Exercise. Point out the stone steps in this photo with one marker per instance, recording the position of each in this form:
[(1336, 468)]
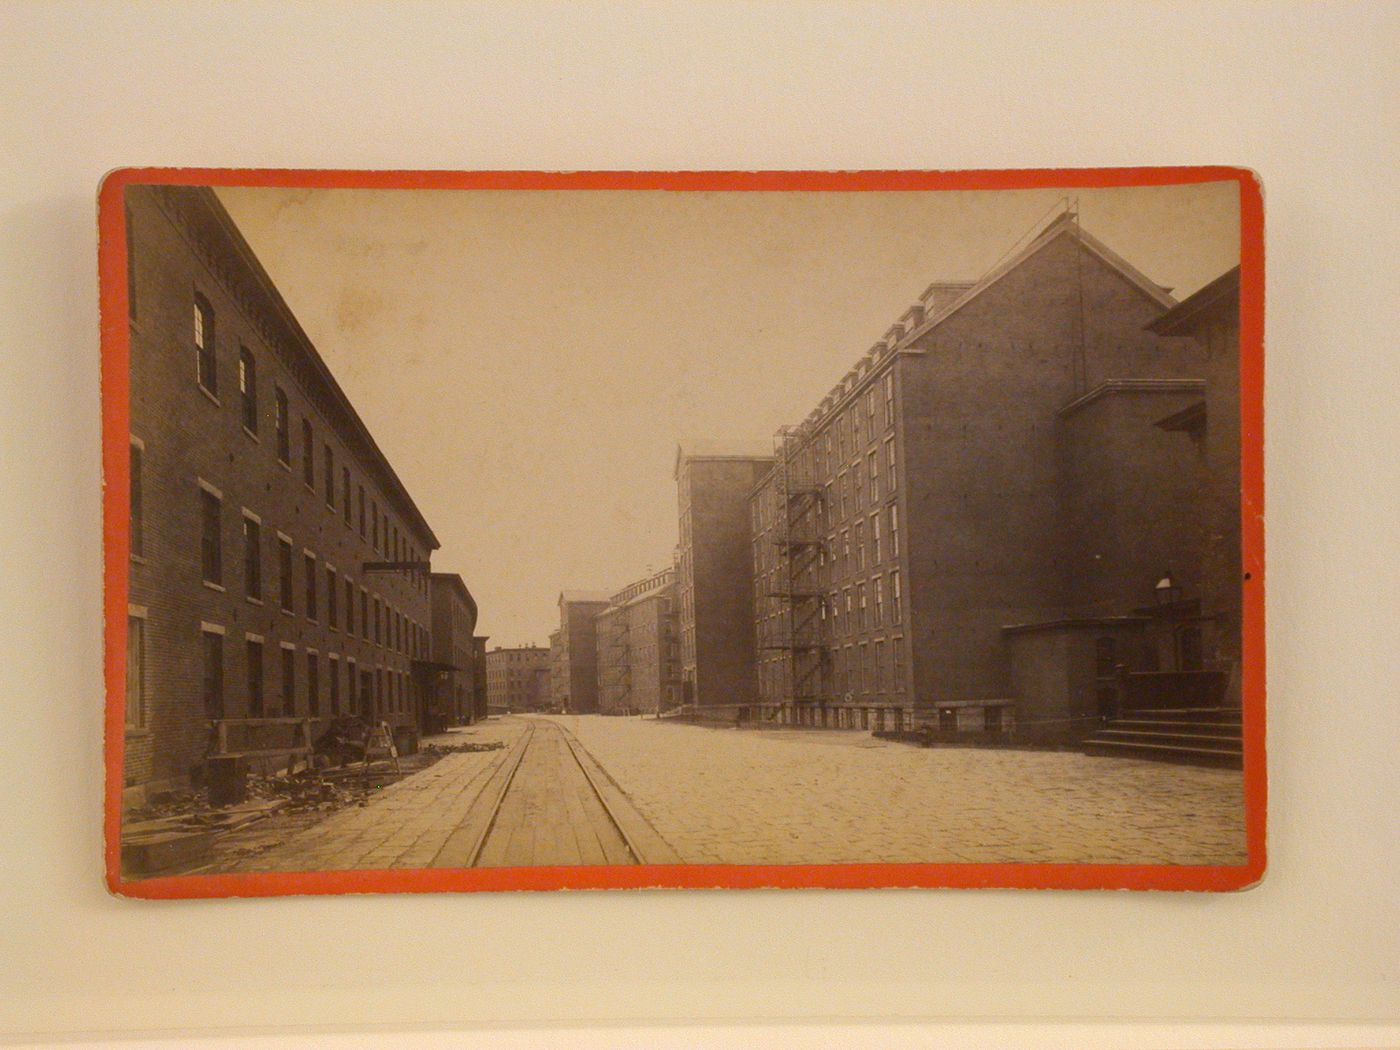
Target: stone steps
[(1192, 736)]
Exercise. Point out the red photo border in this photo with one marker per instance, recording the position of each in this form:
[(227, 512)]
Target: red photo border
[(116, 511)]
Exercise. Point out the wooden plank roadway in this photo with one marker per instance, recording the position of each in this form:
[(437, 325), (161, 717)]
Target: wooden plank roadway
[(543, 800), (551, 815)]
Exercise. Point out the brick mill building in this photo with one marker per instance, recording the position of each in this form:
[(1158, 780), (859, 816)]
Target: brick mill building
[(517, 679), (1211, 317), (965, 530), (447, 677), (574, 652), (262, 511), (638, 648), (714, 571)]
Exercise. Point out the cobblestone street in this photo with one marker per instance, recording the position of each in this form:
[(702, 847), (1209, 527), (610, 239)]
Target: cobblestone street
[(818, 796), (776, 796)]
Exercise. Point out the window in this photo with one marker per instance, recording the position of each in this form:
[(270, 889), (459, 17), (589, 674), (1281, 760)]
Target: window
[(205, 363), (890, 476), (309, 563), (364, 614), (374, 524), (889, 399), (313, 684), (333, 678), (864, 667), (284, 426), (252, 558), (378, 622), (135, 671), (854, 413), (248, 389), (860, 594), (874, 539), (289, 680), (845, 503), (897, 661), (850, 610), (255, 677), (845, 552), (860, 546), (138, 509), (872, 466), (858, 483), (349, 606), (362, 511), (345, 491), (212, 673), (308, 453), (211, 552), (870, 409), (879, 585), (329, 461), (332, 600), (894, 530), (284, 573), (894, 597), (879, 667)]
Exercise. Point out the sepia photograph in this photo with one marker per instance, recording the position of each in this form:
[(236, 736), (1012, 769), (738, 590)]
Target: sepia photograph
[(525, 530)]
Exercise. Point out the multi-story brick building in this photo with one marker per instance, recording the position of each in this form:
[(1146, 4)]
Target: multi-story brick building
[(574, 653), (714, 572), (278, 565), (638, 649), (514, 681), (1211, 316), (987, 472), (447, 678)]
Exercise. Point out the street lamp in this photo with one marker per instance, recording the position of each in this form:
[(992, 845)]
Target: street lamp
[(1167, 591)]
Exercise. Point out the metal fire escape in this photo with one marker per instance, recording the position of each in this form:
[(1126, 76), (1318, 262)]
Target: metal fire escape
[(798, 628), (621, 659)]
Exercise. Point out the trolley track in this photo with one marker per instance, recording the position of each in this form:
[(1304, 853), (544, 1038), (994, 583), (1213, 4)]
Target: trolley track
[(550, 803)]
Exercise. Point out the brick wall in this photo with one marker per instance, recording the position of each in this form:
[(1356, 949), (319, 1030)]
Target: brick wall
[(188, 435), (978, 433)]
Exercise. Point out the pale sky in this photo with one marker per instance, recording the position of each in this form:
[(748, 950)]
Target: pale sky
[(527, 360)]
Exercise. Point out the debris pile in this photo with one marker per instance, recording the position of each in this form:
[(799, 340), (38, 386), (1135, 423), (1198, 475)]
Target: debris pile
[(436, 751)]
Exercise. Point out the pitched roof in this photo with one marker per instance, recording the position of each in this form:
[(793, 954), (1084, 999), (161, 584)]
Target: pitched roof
[(1064, 225), (1180, 318)]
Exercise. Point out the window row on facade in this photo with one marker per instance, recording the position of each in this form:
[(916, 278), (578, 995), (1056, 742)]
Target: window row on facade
[(341, 492), (302, 573), (302, 688)]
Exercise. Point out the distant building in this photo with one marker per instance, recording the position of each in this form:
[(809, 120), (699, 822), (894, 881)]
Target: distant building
[(558, 672), (277, 561), (480, 703), (447, 677), (966, 528), (574, 652), (714, 571), (517, 679), (638, 649)]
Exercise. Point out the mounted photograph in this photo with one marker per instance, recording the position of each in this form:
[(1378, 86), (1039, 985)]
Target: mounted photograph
[(523, 530)]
